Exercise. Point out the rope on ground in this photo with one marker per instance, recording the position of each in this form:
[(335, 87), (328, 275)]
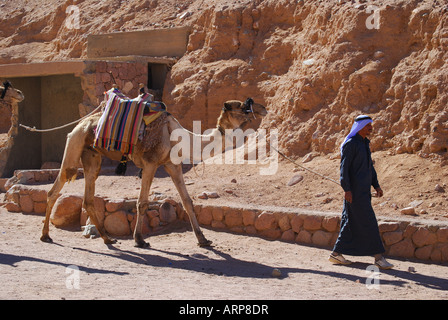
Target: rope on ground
[(33, 129)]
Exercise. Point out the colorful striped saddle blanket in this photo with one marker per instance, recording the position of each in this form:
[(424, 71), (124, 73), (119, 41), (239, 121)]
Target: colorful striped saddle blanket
[(119, 126)]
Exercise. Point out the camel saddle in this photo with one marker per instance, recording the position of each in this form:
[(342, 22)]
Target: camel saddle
[(122, 118)]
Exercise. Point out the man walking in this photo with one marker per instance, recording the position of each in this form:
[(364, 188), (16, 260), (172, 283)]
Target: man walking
[(359, 234)]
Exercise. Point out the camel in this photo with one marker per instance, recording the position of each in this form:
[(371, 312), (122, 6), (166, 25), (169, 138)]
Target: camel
[(79, 146), (11, 97)]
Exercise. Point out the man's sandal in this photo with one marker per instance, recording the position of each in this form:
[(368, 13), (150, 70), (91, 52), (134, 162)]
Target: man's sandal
[(338, 259)]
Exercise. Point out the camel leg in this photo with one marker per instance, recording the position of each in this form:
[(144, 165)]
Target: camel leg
[(91, 162), (52, 196), (69, 170), (148, 173), (175, 171)]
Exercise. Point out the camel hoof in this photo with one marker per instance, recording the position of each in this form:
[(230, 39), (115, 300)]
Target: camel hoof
[(142, 244), (46, 238), (206, 243), (109, 241)]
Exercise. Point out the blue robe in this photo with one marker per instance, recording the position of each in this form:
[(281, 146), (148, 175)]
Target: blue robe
[(359, 234)]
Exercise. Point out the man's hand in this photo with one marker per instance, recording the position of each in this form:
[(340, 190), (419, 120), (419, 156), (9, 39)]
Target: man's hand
[(379, 192), (348, 196)]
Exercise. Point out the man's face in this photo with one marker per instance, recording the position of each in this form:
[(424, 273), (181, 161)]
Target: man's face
[(366, 131)]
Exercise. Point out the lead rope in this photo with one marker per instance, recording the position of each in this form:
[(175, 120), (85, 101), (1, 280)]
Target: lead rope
[(314, 172), (33, 129)]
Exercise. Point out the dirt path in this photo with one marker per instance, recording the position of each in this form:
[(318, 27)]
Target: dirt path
[(237, 267)]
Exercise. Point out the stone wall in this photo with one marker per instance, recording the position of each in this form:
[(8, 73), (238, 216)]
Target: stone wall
[(419, 239), (99, 76), (424, 240)]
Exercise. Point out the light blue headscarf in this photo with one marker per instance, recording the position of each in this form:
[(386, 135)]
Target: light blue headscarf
[(360, 122)]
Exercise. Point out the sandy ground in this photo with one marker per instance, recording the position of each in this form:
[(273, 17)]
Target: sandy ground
[(237, 267)]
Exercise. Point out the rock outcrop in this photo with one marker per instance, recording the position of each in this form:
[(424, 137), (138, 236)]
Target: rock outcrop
[(314, 64)]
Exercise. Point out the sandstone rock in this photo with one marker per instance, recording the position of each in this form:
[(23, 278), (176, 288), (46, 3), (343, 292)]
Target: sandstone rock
[(392, 237), (330, 223), (271, 234), (442, 234), (218, 224), (410, 211), (211, 194), (424, 253), (12, 207), (312, 223), (38, 195), (265, 221), (249, 217), (423, 237), (206, 216), (114, 205), (404, 249), (288, 236), (295, 180), (66, 210), (387, 226), (218, 214), (167, 213), (208, 194), (154, 222), (117, 224), (40, 207), (283, 222), (296, 223), (321, 238), (304, 236), (26, 203), (415, 203), (233, 219)]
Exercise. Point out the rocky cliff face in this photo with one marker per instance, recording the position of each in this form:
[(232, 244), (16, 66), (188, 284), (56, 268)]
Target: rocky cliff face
[(317, 65), (314, 64)]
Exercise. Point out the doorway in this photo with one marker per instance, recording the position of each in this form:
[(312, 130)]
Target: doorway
[(50, 101), (156, 79)]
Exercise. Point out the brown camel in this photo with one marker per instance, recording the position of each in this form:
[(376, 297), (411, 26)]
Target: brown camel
[(234, 115), (10, 97)]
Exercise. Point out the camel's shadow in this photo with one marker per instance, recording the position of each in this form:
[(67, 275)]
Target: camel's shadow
[(223, 265)]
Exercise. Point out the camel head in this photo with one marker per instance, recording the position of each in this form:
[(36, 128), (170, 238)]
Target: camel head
[(9, 94), (236, 114)]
